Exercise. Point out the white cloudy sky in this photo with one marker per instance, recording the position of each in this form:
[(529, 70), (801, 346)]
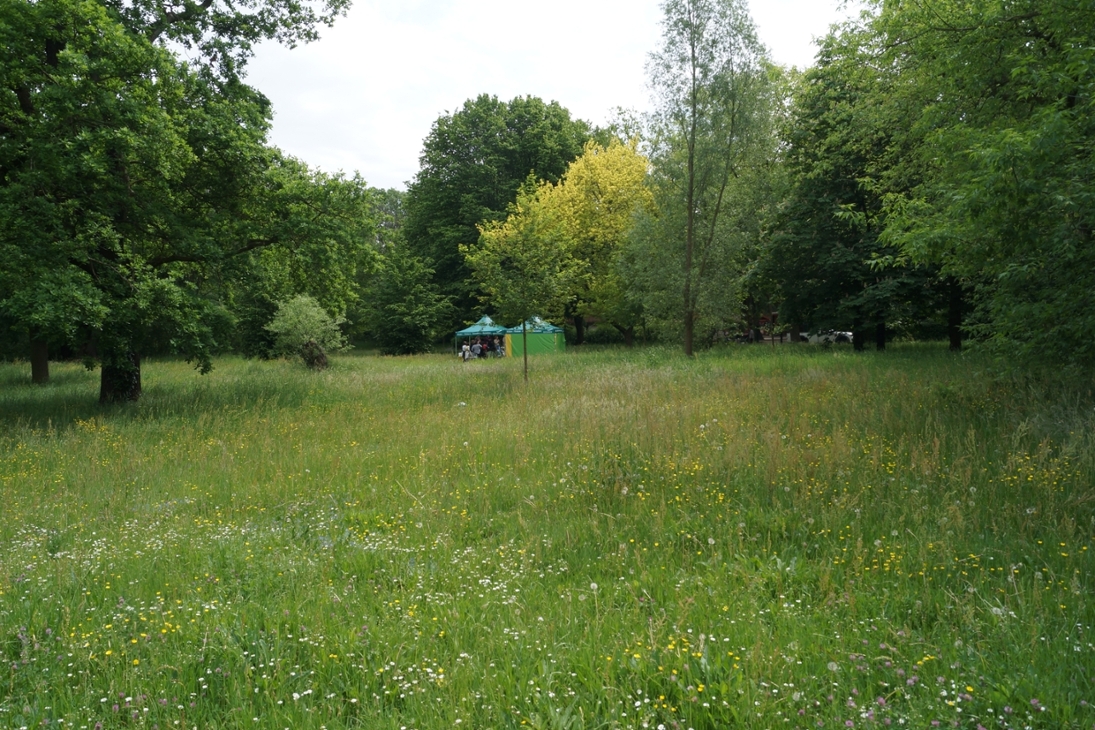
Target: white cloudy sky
[(364, 96)]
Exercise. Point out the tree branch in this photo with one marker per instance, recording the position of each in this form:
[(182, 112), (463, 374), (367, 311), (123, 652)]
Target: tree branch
[(199, 259), (191, 11)]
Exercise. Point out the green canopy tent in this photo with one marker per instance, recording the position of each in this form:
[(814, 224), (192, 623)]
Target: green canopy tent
[(543, 337), (485, 327)]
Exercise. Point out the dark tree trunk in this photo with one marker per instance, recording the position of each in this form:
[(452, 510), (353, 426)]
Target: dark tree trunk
[(859, 337), (579, 329), (795, 332), (880, 335), (752, 319), (628, 333), (39, 361), (689, 326), (954, 315), (121, 380)]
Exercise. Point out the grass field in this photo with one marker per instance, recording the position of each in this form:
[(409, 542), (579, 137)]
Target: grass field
[(756, 538)]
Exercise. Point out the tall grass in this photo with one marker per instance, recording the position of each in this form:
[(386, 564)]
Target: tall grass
[(756, 538)]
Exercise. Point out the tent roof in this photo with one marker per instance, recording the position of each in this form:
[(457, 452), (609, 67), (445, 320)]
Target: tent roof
[(485, 326), (535, 325)]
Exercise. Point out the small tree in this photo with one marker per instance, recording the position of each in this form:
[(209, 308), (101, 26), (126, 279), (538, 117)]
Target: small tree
[(522, 263), (712, 91), (302, 327)]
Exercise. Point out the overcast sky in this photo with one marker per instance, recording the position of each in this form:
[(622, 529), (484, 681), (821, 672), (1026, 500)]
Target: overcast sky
[(363, 97)]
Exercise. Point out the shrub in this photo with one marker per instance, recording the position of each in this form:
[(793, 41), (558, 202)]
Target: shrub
[(303, 328)]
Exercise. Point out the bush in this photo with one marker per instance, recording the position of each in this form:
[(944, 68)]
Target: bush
[(303, 328), (604, 334)]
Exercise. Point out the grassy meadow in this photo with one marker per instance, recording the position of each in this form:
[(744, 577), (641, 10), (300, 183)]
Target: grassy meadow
[(757, 538)]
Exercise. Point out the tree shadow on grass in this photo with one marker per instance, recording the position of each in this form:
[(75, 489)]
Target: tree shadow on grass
[(69, 396), (72, 395)]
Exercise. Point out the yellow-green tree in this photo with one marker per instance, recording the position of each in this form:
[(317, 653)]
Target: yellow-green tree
[(594, 206), (558, 248), (522, 263)]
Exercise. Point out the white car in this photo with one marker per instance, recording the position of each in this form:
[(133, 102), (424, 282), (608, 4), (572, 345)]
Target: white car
[(827, 337)]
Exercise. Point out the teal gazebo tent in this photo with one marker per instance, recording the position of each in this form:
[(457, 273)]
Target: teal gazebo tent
[(485, 327), (543, 337)]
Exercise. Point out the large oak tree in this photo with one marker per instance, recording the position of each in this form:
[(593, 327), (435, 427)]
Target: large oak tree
[(130, 180)]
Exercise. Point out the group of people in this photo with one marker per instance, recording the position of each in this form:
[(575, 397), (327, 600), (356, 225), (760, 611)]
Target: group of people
[(482, 347)]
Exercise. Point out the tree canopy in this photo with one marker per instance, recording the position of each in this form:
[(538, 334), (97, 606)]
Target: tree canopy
[(997, 185), (824, 248), (934, 165), (596, 203), (134, 185), (473, 162)]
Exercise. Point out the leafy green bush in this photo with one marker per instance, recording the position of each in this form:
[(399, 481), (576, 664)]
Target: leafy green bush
[(303, 328)]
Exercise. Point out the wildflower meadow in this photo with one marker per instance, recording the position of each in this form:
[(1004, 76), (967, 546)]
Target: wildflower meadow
[(759, 537)]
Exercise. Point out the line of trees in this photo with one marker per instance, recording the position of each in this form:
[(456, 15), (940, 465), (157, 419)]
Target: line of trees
[(142, 208), (930, 174)]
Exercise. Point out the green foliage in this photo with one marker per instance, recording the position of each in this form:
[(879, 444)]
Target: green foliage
[(522, 263), (822, 254), (702, 531), (389, 209), (473, 162), (67, 197), (999, 103), (138, 191), (325, 227), (300, 325), (713, 131), (405, 312), (219, 35), (595, 205)]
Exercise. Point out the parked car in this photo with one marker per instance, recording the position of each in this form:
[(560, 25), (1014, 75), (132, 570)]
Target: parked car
[(827, 337)]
